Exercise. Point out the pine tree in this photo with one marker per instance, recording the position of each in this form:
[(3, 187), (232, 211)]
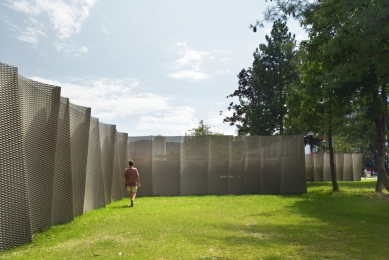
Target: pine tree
[(263, 87)]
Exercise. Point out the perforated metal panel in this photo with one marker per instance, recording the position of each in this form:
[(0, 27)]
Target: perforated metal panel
[(270, 156), (218, 165), (293, 176), (122, 138), (326, 167), (166, 165), (117, 175), (14, 211), (252, 177), (62, 209), (139, 150), (237, 164), (357, 166), (194, 165), (347, 167), (107, 142), (79, 137), (339, 166), (318, 160), (40, 120), (94, 184), (309, 167)]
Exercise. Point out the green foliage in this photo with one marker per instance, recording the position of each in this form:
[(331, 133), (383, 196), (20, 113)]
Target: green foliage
[(202, 129), (348, 48), (263, 87), (316, 225)]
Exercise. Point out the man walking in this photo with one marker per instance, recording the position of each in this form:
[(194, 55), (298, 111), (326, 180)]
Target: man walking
[(131, 181)]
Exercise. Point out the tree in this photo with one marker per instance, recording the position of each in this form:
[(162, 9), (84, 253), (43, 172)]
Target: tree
[(203, 129), (311, 107), (351, 40), (263, 87)]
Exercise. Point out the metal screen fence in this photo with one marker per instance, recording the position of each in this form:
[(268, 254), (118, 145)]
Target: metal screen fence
[(79, 137), (117, 175), (57, 162), (15, 226), (62, 206), (107, 142), (199, 165), (348, 167), (40, 107), (123, 163), (94, 184)]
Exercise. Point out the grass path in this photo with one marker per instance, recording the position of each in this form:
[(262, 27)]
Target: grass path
[(351, 224)]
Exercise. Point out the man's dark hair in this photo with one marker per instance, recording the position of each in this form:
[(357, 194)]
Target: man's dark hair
[(131, 163)]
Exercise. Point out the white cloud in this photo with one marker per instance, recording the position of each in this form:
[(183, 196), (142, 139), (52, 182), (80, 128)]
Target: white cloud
[(172, 121), (216, 120), (31, 35), (191, 58), (65, 19), (120, 98), (104, 29), (192, 75), (190, 65), (82, 50)]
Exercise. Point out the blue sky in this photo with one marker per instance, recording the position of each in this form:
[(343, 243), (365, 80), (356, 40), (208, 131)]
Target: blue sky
[(149, 67)]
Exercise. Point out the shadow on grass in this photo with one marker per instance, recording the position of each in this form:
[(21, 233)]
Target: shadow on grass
[(340, 225), (345, 184)]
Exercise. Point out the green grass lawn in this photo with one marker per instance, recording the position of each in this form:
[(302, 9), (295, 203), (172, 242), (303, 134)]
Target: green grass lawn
[(351, 224)]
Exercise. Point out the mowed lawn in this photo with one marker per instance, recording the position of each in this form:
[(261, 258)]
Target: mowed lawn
[(351, 224)]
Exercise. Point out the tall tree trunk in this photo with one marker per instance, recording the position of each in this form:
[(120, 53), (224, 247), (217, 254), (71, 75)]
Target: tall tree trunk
[(378, 186), (380, 126), (334, 180)]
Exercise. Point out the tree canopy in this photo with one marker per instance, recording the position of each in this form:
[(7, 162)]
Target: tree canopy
[(346, 61), (263, 87)]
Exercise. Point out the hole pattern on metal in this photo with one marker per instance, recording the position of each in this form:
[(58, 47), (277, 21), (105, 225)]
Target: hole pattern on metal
[(62, 207), (14, 212), (79, 137), (107, 142), (94, 185), (40, 107), (347, 167)]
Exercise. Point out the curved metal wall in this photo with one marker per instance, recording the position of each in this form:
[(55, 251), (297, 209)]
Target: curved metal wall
[(122, 139), (194, 165), (271, 164), (166, 165), (139, 150), (79, 137), (117, 175), (318, 167), (14, 211), (309, 167), (40, 104), (236, 164), (218, 165), (357, 166), (62, 206), (59, 162), (252, 177), (94, 184), (348, 167), (107, 142), (326, 167), (339, 166), (293, 160)]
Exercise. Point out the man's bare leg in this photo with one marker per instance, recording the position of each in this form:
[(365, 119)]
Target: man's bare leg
[(133, 195)]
